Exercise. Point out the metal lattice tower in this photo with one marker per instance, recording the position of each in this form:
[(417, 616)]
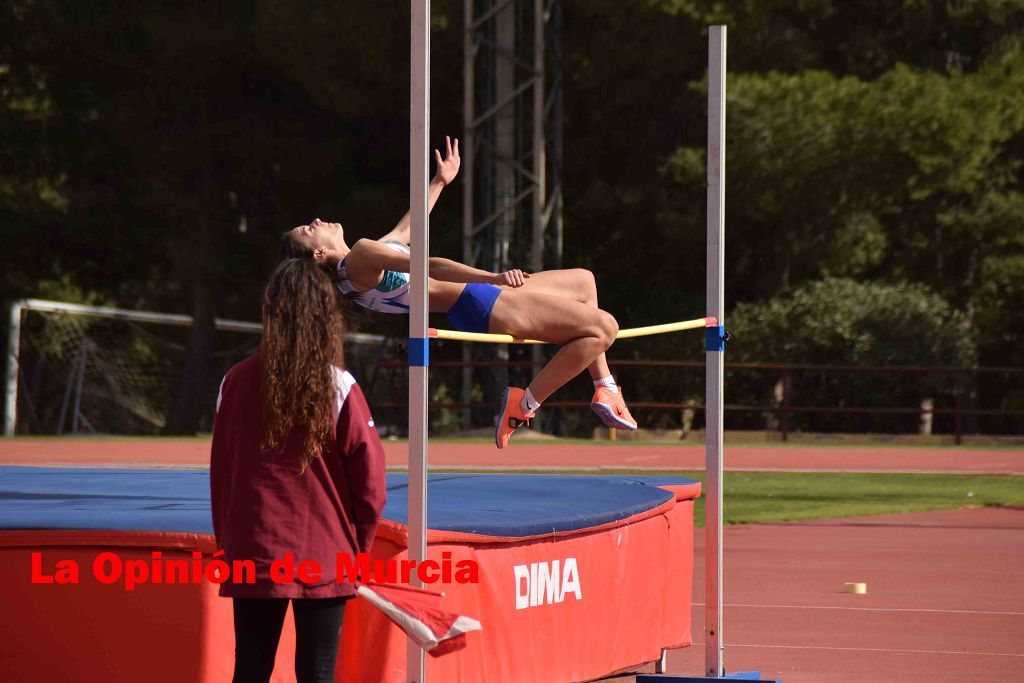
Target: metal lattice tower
[(512, 211)]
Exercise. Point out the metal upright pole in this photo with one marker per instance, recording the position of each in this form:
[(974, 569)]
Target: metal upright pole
[(83, 359), (539, 162), (419, 127), (713, 665), (11, 392), (468, 154)]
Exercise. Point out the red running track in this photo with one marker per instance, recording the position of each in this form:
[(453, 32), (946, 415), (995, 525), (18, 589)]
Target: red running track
[(944, 602), (945, 597), (543, 455)]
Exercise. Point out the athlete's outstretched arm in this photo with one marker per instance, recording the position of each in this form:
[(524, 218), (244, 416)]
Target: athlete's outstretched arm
[(368, 258), (447, 169), (453, 271)]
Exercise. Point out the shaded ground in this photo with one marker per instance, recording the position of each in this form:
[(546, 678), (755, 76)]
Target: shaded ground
[(196, 453), (945, 599)]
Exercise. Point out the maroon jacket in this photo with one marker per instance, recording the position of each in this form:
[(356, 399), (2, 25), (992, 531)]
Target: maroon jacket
[(263, 508)]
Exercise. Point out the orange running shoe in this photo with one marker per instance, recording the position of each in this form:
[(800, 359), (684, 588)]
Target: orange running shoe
[(511, 416), (611, 408)]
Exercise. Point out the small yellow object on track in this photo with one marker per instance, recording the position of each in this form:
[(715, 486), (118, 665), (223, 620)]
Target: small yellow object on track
[(857, 588)]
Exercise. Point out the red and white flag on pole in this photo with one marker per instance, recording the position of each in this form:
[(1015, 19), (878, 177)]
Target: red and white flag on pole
[(419, 613)]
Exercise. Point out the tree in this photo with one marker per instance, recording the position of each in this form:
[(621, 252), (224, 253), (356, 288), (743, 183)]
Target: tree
[(841, 321), (150, 155)]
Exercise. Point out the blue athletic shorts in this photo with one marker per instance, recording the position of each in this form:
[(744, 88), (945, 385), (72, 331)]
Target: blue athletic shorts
[(472, 310)]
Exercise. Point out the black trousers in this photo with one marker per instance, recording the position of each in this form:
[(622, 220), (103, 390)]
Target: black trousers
[(258, 623)]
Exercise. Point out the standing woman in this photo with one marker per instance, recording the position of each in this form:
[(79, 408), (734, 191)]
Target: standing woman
[(296, 467)]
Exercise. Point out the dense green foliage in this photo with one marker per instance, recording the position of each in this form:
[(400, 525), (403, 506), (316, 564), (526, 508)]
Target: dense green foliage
[(151, 153), (847, 322), (840, 321)]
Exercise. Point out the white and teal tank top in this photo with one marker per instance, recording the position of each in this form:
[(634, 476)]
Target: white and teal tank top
[(391, 295)]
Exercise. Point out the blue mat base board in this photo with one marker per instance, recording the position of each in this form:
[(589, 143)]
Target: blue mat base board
[(732, 676)]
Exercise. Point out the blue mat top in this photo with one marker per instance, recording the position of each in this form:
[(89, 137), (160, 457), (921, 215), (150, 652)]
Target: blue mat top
[(179, 500)]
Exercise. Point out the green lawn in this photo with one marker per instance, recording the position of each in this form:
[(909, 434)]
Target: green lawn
[(789, 496), (780, 497)]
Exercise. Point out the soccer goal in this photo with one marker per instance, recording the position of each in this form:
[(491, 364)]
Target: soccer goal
[(76, 369)]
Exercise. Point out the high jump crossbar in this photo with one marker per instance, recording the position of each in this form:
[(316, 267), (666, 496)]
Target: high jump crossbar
[(697, 323), (419, 337)]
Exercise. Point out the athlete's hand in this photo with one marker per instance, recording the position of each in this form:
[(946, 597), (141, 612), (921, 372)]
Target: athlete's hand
[(511, 278), (448, 167)]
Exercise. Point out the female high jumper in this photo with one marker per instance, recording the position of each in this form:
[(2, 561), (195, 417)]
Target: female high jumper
[(555, 306)]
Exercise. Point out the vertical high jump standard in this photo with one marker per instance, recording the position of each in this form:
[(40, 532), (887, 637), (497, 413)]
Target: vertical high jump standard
[(714, 348), (419, 126), (419, 166), (714, 667)]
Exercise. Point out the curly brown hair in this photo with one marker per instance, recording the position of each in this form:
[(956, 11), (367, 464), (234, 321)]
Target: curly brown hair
[(303, 330)]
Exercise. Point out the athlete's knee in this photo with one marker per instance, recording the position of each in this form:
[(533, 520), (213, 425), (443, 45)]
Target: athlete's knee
[(600, 329), (586, 285), (609, 327)]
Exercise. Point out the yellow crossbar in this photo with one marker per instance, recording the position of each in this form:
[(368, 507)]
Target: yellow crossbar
[(623, 334)]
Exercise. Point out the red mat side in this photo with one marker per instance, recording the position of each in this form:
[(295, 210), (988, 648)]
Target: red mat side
[(634, 598)]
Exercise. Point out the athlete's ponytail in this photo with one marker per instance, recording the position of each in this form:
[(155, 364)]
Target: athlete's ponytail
[(292, 247)]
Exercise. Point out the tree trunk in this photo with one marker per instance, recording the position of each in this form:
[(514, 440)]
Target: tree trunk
[(196, 378)]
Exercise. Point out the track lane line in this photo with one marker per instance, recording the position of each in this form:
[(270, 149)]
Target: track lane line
[(875, 609)]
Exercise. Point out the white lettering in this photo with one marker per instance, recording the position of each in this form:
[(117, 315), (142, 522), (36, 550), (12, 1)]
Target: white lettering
[(546, 583), (522, 573), (571, 580)]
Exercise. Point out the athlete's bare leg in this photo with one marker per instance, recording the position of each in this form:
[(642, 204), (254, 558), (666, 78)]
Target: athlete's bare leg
[(575, 284), (583, 330)]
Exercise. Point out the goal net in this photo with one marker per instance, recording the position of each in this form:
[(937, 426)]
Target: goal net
[(75, 369)]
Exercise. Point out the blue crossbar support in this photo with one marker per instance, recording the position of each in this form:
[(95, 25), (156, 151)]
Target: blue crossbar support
[(419, 352), (734, 676), (715, 338)]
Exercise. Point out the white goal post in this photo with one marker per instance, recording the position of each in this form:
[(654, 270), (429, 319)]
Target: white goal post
[(19, 309)]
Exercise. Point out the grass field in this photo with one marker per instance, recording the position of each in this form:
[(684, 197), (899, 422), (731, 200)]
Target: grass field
[(790, 496)]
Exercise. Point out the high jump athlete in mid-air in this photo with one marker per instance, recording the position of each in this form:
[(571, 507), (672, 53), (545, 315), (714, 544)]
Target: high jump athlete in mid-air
[(555, 306)]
